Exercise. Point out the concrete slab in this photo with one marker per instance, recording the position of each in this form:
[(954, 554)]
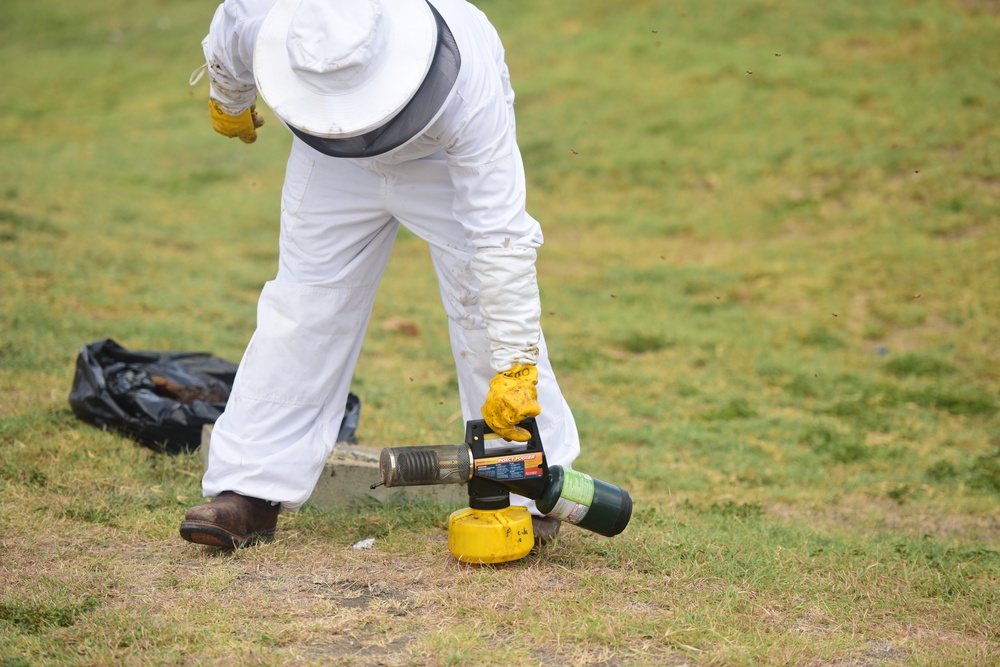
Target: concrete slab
[(351, 470)]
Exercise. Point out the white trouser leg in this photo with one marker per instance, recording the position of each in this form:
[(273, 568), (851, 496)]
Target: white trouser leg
[(290, 393)]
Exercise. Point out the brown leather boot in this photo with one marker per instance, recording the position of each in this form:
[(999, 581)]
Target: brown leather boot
[(231, 521), (545, 529)]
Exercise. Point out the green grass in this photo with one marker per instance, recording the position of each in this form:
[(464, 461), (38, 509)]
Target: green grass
[(771, 291)]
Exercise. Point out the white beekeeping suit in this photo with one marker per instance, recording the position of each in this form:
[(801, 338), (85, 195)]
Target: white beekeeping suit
[(445, 165)]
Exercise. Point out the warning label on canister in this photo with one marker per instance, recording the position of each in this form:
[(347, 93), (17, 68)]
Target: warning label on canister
[(512, 466), (576, 497)]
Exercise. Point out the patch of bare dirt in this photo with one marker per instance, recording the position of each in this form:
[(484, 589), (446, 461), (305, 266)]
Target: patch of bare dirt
[(877, 653), (849, 510), (981, 6)]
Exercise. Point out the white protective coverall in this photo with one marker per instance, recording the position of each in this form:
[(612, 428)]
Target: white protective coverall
[(460, 187)]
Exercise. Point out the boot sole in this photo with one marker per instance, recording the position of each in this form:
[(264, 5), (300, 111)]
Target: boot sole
[(214, 535)]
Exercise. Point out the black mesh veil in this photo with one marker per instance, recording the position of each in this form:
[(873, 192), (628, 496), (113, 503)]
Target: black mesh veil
[(414, 117)]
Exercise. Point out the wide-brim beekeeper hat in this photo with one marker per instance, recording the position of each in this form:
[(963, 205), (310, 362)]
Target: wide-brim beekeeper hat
[(336, 69)]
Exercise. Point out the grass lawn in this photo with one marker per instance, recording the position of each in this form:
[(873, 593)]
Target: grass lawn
[(771, 292)]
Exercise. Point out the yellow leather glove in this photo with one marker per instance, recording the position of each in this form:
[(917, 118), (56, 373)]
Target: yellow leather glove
[(512, 399), (243, 126)]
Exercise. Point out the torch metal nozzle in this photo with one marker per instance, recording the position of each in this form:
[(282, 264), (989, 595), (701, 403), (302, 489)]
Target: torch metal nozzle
[(420, 466)]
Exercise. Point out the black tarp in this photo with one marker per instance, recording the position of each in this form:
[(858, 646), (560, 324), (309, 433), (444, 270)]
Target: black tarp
[(161, 399)]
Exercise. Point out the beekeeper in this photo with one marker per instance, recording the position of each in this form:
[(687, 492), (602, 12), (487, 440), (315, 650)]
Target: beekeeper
[(402, 113)]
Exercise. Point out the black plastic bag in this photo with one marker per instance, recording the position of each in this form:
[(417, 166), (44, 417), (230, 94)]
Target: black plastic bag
[(161, 399)]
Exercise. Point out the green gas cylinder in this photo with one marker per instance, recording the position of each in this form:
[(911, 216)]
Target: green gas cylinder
[(578, 498)]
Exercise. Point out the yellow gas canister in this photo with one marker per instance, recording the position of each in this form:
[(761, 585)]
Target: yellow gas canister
[(490, 536)]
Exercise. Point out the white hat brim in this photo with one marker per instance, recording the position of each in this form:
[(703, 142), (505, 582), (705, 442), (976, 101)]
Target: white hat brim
[(409, 45)]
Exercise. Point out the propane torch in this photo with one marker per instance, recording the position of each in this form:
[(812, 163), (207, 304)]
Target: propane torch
[(491, 530)]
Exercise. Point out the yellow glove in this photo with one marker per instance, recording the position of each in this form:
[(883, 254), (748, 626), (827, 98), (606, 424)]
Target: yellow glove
[(243, 126), (512, 399)]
